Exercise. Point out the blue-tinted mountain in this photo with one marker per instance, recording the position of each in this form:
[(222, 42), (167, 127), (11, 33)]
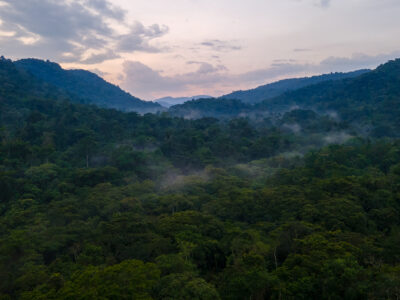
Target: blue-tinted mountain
[(86, 87), (278, 88)]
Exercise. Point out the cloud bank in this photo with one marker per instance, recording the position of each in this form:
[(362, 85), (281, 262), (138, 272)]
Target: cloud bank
[(148, 83), (78, 31)]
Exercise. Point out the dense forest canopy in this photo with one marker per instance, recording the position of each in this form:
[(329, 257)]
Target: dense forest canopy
[(97, 203)]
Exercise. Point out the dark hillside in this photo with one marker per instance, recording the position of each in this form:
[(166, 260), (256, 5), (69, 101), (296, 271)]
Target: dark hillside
[(86, 87)]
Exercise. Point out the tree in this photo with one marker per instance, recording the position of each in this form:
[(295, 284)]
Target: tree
[(131, 279), (184, 286), (86, 142)]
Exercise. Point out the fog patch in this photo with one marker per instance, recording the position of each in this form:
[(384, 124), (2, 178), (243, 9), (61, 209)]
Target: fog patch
[(337, 138), (174, 180), (264, 168), (333, 115), (252, 169), (192, 115), (296, 128)]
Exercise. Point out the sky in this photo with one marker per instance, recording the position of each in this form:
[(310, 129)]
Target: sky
[(158, 48)]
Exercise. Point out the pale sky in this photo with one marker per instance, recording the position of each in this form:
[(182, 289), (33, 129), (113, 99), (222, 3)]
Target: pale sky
[(156, 48)]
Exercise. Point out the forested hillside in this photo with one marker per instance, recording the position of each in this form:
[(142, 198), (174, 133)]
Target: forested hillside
[(278, 88), (101, 204), (86, 87), (371, 100)]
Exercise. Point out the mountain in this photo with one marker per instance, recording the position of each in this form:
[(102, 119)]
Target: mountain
[(275, 89), (86, 87), (170, 101), (225, 107), (371, 100), (17, 83)]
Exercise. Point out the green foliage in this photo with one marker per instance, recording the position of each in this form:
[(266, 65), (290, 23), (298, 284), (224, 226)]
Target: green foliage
[(100, 204), (131, 279), (186, 286)]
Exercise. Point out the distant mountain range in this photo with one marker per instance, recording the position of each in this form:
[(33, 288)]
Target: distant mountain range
[(370, 99), (367, 99), (263, 92), (170, 101), (241, 103), (86, 87), (275, 89)]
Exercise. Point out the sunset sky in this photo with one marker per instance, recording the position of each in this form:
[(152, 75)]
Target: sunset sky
[(158, 48)]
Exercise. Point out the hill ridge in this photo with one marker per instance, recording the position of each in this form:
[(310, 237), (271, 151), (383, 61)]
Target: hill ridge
[(86, 87)]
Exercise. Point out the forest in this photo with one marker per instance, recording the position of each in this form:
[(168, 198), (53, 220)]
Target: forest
[(97, 203)]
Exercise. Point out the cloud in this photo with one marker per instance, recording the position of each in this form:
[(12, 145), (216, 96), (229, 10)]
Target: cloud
[(220, 46), (98, 58), (147, 83), (331, 64), (207, 67), (107, 9), (274, 71), (139, 36), (71, 30), (357, 61)]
